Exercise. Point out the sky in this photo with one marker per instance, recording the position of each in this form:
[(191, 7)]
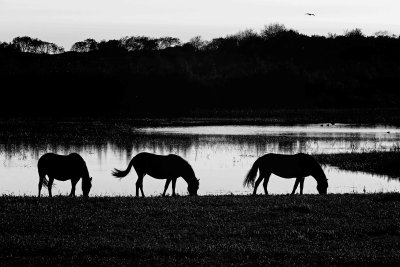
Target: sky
[(65, 22)]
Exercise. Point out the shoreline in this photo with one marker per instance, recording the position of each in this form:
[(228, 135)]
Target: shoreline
[(85, 131), (263, 117)]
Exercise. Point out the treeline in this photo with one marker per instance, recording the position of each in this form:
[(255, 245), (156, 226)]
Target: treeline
[(31, 45), (247, 71)]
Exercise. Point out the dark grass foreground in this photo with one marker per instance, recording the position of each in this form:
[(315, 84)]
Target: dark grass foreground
[(310, 229)]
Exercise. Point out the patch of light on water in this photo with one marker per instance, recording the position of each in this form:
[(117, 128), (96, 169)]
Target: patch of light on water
[(314, 129), (312, 139)]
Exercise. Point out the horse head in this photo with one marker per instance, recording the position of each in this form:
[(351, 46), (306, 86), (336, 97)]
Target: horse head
[(86, 186), (322, 186), (193, 187), (322, 182)]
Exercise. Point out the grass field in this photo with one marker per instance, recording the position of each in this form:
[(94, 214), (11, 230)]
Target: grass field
[(209, 230)]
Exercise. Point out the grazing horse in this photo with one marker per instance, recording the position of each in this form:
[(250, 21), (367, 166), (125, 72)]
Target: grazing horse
[(168, 167), (296, 166), (64, 167)]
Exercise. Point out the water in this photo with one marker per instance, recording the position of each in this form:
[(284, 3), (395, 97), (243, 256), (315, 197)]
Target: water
[(219, 155)]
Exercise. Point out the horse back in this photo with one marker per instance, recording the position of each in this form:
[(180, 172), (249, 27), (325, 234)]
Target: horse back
[(309, 161), (161, 166), (297, 165), (62, 165)]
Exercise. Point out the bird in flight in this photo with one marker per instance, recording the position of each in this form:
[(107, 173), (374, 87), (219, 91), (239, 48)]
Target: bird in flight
[(310, 14)]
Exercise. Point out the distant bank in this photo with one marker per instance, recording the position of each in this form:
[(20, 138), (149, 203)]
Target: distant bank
[(276, 69)]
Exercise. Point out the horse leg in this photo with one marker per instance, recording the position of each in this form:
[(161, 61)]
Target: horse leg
[(73, 183), (138, 181), (173, 186), (296, 184), (141, 188), (139, 185), (257, 183), (301, 185), (265, 184), (40, 184), (166, 186), (49, 185), (259, 179)]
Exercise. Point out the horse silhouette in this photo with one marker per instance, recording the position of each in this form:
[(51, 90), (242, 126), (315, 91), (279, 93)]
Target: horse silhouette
[(63, 167), (296, 166), (169, 167)]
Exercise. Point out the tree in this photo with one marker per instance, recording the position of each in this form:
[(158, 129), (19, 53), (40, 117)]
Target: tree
[(79, 47), (23, 44), (247, 38), (131, 43), (111, 46), (384, 34), (215, 43), (85, 46), (246, 35), (197, 43), (34, 45), (149, 43), (273, 30), (165, 42), (356, 33), (91, 44), (332, 35), (4, 46), (136, 43), (55, 49)]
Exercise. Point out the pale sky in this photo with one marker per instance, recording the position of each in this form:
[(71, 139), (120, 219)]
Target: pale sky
[(67, 21)]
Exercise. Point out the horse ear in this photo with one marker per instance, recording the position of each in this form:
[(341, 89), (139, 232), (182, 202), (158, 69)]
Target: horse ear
[(90, 178), (198, 179)]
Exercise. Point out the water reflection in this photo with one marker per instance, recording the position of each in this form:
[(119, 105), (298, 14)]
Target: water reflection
[(220, 156)]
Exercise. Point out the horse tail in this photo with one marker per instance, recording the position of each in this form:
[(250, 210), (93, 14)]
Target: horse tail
[(121, 174), (251, 175), (45, 182), (42, 174)]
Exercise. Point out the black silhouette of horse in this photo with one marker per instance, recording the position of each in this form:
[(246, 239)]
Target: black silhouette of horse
[(296, 166), (168, 167), (63, 167)]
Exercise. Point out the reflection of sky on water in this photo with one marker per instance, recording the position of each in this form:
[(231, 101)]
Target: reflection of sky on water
[(311, 129), (287, 139), (220, 156)]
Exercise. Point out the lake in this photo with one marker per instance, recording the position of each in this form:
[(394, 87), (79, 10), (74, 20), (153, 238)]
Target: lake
[(220, 156)]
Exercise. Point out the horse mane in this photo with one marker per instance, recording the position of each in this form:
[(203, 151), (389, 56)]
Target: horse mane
[(189, 169), (85, 170), (319, 172), (189, 174)]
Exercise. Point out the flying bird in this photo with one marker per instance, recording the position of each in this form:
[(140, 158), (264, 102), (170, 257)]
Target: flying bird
[(310, 14)]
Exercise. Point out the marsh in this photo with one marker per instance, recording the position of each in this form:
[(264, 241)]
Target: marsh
[(220, 155)]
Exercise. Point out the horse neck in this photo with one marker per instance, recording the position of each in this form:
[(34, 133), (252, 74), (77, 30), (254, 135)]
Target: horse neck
[(189, 176), (319, 175), (85, 174)]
